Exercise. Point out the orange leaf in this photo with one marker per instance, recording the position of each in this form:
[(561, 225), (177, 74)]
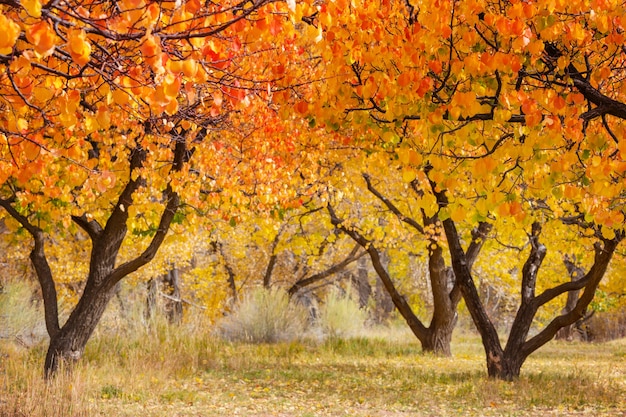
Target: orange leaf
[(302, 107), (150, 49), (404, 79), (79, 47), (42, 37)]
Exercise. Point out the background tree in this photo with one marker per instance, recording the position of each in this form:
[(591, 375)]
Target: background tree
[(435, 337)]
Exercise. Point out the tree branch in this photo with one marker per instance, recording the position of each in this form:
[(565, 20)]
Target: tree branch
[(352, 257), (403, 307), (172, 204), (391, 206), (92, 227), (603, 255), (42, 268), (532, 265)]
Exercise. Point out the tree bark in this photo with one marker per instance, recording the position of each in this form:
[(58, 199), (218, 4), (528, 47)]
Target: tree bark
[(68, 345), (575, 272)]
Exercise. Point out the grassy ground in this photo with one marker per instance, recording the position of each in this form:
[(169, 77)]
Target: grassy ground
[(170, 372)]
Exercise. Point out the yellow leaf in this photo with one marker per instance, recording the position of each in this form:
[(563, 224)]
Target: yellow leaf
[(458, 214), (403, 155), (33, 7), (9, 31), (190, 67), (408, 174), (607, 233)]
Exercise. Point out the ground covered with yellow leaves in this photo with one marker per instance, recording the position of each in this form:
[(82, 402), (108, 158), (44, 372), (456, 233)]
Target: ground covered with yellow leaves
[(169, 373)]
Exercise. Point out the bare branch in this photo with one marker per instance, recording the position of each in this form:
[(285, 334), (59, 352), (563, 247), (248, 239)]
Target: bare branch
[(353, 256)]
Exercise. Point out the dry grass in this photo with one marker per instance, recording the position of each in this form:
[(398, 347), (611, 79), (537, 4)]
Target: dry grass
[(165, 371)]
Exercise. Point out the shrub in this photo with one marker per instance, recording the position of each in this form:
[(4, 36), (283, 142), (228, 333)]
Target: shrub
[(341, 316), (264, 316)]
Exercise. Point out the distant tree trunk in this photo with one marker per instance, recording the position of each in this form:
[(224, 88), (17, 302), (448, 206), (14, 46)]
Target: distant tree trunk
[(361, 283), (230, 274), (173, 303), (152, 299), (575, 273), (166, 286)]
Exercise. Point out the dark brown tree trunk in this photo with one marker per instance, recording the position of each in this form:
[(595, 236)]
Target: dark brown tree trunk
[(68, 344)]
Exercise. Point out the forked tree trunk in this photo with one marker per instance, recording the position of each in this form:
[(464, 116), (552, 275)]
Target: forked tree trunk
[(67, 343), (506, 363), (439, 338)]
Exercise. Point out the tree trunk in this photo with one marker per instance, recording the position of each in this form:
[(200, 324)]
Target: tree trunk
[(360, 280), (68, 344), (506, 367), (173, 304), (575, 273), (439, 337), (152, 287)]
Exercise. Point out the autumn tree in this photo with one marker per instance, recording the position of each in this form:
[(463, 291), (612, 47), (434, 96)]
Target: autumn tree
[(436, 335), (121, 119), (515, 112)]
